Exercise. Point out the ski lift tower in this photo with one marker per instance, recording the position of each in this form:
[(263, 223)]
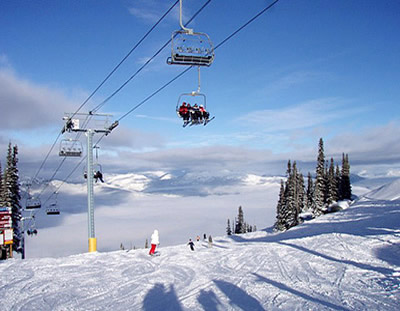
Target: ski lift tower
[(90, 124)]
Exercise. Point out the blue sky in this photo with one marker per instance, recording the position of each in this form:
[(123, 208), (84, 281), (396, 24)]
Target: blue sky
[(301, 71)]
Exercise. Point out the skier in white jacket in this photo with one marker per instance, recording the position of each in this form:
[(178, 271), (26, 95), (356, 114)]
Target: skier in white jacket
[(154, 242)]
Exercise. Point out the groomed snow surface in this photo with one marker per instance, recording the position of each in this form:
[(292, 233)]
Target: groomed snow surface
[(349, 260)]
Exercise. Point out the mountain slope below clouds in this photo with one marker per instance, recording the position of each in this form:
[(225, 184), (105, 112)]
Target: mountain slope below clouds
[(343, 261), (390, 191)]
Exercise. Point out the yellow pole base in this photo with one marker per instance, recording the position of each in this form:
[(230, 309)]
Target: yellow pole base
[(92, 245)]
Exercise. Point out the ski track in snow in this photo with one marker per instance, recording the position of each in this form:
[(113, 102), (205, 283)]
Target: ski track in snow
[(342, 261)]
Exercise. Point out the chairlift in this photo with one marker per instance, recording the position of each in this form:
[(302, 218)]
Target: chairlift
[(32, 203), (97, 172), (32, 231), (97, 168), (189, 47), (192, 107), (52, 209), (70, 148)]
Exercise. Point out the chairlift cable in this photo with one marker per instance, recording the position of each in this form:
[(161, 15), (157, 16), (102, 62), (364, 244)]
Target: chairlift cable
[(102, 83), (145, 64), (246, 24), (172, 80), (186, 70), (126, 56)]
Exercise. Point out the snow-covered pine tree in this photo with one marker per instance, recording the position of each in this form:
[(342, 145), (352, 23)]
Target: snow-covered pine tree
[(279, 223), (254, 228), (319, 189), (310, 193), (293, 206), (240, 226), (338, 182), (228, 228), (331, 184), (11, 194), (301, 193), (146, 244), (345, 178)]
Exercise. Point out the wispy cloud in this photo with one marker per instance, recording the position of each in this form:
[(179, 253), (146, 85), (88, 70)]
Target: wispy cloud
[(291, 80), (27, 105), (149, 11), (302, 116)]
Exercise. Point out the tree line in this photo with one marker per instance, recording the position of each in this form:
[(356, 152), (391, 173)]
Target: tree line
[(239, 225), (331, 184), (10, 194)]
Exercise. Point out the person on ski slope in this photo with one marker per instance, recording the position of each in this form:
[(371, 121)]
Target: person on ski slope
[(154, 242), (210, 241), (191, 244)]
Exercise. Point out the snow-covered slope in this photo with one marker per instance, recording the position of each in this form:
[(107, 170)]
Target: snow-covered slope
[(348, 260), (390, 191)]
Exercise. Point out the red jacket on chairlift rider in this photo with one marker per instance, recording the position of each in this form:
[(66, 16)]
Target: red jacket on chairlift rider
[(183, 111)]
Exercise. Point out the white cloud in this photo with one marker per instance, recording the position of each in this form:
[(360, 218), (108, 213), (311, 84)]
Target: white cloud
[(149, 11), (302, 116), (26, 105)]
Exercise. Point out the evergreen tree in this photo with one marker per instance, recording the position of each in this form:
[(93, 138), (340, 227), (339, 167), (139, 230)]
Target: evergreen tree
[(331, 184), (345, 178), (310, 193), (279, 223), (319, 188), (228, 228), (338, 182), (301, 195), (10, 194), (122, 247), (292, 199), (254, 228), (146, 244), (240, 225)]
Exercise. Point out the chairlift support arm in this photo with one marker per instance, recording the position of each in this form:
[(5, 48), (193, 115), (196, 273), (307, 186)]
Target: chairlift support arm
[(187, 30)]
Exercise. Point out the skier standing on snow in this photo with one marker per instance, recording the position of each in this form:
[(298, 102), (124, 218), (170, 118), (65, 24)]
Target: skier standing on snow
[(154, 242), (210, 241), (191, 244)]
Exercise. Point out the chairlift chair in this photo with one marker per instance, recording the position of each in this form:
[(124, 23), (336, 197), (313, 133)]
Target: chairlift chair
[(191, 49), (52, 209), (32, 203), (193, 98), (70, 148), (96, 168)]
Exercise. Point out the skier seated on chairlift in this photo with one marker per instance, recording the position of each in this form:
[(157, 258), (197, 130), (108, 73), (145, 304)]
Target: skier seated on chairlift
[(98, 175), (196, 115), (204, 114), (184, 112)]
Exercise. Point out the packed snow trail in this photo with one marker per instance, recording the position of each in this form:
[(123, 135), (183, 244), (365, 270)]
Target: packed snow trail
[(348, 260)]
